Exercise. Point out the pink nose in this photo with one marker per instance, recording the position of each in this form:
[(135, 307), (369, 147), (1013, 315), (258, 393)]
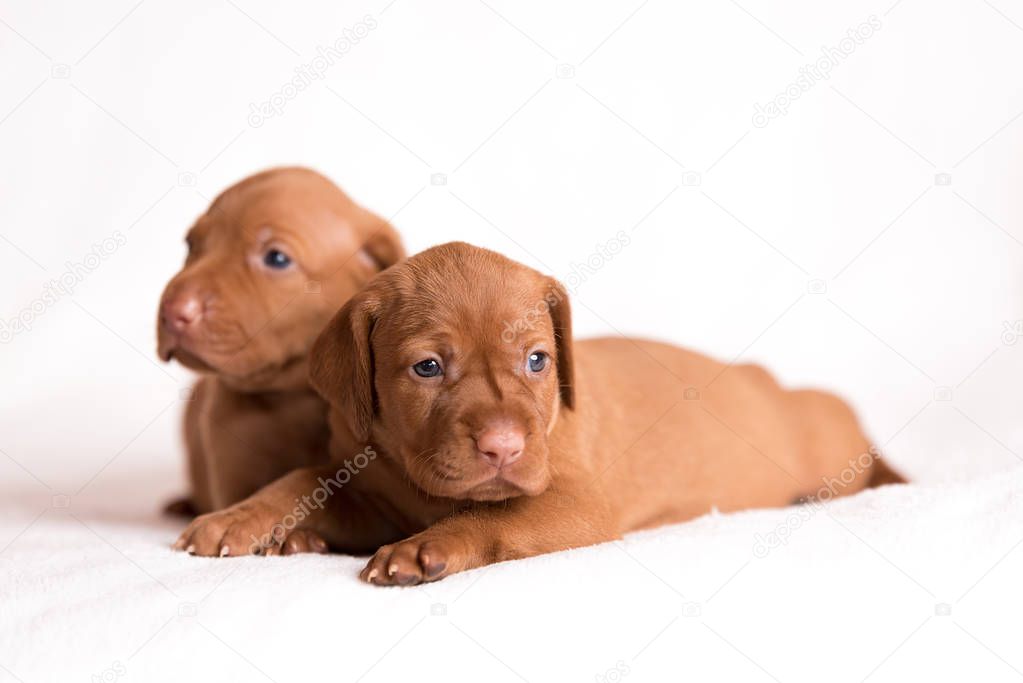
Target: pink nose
[(181, 312), (501, 445)]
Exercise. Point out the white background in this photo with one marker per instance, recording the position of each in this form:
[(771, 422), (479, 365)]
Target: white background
[(819, 245)]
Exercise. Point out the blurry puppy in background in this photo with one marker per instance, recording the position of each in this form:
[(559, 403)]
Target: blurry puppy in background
[(268, 264)]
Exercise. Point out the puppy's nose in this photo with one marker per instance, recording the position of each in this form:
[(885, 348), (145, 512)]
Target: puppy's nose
[(501, 445), (180, 312)]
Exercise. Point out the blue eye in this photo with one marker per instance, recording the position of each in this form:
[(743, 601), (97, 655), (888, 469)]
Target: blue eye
[(277, 259), (427, 368), (537, 361)]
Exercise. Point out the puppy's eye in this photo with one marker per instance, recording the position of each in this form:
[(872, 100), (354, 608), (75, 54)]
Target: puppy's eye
[(276, 259), (427, 368), (537, 361)]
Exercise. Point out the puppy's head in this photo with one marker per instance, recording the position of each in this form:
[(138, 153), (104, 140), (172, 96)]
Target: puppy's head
[(267, 265), (456, 362)]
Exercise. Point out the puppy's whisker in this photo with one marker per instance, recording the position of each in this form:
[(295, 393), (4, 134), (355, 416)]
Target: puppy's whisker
[(425, 452), (420, 463)]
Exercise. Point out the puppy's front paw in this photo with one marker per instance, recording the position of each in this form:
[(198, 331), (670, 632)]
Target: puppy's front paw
[(413, 561), (237, 530), (246, 529)]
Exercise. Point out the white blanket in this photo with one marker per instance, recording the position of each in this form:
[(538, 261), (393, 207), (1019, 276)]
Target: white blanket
[(903, 583)]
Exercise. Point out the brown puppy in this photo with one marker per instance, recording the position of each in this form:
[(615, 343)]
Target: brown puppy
[(459, 367), (267, 266), (492, 436)]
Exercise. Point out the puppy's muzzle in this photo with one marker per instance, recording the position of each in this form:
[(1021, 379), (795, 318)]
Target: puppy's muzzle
[(181, 317)]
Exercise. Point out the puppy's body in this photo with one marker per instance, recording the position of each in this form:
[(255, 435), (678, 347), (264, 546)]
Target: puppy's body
[(496, 437), (237, 442), (672, 434), (246, 323)]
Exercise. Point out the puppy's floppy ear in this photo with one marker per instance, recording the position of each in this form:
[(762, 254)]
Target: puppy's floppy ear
[(561, 319), (382, 244), (341, 363)]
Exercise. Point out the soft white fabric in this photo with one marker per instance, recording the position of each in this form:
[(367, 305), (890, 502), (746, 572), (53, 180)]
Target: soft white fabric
[(861, 587)]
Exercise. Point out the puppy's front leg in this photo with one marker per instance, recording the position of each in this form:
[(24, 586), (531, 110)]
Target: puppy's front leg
[(488, 533), (300, 512)]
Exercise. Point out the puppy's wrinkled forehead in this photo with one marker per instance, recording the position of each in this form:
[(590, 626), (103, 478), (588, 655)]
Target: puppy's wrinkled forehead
[(463, 292)]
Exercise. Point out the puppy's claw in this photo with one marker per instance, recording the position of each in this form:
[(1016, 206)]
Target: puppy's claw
[(225, 551)]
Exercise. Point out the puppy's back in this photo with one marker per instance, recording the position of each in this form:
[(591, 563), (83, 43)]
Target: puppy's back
[(678, 433)]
